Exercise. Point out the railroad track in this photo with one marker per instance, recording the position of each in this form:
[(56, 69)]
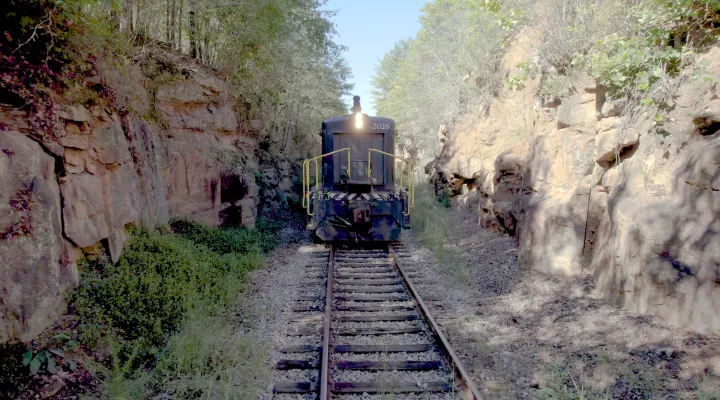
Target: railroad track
[(367, 331)]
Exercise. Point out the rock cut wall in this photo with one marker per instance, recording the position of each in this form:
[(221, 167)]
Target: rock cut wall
[(154, 152), (589, 187)]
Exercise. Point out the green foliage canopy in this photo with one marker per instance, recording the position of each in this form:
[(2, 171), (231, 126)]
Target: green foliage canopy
[(450, 67)]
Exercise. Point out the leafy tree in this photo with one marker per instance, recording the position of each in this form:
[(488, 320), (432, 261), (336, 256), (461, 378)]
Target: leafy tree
[(280, 54), (450, 67)]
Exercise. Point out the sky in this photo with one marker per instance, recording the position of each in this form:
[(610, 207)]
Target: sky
[(369, 29)]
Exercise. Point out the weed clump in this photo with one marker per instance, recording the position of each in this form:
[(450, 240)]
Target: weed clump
[(164, 284), (229, 240), (431, 225)]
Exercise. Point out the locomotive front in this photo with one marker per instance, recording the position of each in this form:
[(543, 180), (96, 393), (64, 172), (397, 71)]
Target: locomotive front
[(350, 191)]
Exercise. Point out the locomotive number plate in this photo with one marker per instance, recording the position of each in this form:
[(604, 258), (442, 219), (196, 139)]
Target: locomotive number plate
[(381, 125)]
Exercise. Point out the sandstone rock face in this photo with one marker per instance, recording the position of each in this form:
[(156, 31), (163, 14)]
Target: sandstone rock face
[(200, 103), (105, 170), (595, 186), (553, 232), (578, 109), (612, 141), (34, 272)]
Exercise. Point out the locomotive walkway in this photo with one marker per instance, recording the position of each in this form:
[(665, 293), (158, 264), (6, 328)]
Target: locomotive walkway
[(377, 334)]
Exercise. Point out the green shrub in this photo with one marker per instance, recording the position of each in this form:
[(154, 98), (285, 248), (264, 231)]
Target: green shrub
[(157, 281), (623, 63), (556, 86), (651, 44), (627, 46), (229, 240)]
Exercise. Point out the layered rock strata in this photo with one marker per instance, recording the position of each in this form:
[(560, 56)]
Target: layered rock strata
[(589, 187), (153, 152)]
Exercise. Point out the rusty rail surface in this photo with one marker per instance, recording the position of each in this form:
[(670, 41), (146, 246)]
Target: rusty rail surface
[(325, 364), (472, 390)]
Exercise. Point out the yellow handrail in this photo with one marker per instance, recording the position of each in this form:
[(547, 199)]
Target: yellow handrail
[(306, 176), (411, 182)]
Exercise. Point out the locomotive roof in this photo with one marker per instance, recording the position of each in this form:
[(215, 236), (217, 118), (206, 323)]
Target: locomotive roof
[(342, 121), (347, 117)]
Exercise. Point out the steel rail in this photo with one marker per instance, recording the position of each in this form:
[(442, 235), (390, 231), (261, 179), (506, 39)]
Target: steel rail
[(474, 393), (325, 365)]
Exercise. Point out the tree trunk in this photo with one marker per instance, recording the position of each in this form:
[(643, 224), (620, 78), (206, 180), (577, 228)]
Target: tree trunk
[(167, 22), (126, 17), (193, 32), (180, 26), (173, 18), (206, 46)]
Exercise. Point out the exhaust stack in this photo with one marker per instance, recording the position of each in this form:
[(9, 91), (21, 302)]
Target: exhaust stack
[(356, 105)]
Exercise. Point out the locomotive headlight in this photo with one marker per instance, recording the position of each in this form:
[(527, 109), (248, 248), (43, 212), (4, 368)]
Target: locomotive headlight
[(358, 120)]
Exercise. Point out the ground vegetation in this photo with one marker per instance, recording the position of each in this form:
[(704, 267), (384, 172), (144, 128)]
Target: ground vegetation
[(154, 323)]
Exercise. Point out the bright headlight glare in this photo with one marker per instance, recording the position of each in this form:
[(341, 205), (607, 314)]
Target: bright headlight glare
[(358, 121)]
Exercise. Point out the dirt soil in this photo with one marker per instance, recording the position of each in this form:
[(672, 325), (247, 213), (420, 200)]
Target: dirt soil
[(525, 334)]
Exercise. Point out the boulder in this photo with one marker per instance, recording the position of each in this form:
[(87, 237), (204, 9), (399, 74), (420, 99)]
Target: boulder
[(553, 232), (152, 164), (84, 209), (661, 255), (196, 105), (507, 177), (612, 140), (613, 107), (116, 241), (75, 135), (181, 92), (707, 121), (120, 196), (75, 160), (577, 109), (194, 175), (611, 178), (468, 201), (109, 142), (560, 160), (73, 113)]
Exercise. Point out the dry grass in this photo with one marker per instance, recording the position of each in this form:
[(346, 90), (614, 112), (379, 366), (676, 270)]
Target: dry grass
[(569, 27), (431, 224)]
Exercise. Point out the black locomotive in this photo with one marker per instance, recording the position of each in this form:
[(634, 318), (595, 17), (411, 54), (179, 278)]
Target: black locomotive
[(350, 191)]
